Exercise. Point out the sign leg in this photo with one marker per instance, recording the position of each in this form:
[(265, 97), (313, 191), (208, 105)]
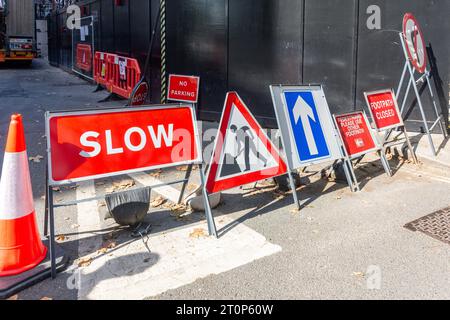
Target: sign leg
[(405, 70), (52, 232), (419, 101), (385, 162), (185, 182), (46, 205), (294, 190), (444, 132), (209, 217), (410, 147), (350, 175)]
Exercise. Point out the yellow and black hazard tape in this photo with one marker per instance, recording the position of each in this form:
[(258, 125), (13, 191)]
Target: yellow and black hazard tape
[(162, 20)]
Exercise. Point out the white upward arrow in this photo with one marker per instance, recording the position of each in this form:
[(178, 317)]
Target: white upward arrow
[(303, 111)]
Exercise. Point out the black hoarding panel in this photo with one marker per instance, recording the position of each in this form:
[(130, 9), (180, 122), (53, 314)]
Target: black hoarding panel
[(265, 47), (140, 29), (122, 27), (197, 45), (154, 69), (380, 55), (107, 26), (329, 54)]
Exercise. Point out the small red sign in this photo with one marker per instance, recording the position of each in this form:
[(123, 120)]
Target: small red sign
[(139, 94), (93, 144), (384, 109), (354, 130), (84, 57), (183, 88)]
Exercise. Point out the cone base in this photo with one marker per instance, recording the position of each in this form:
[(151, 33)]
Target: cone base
[(21, 248), (11, 285)]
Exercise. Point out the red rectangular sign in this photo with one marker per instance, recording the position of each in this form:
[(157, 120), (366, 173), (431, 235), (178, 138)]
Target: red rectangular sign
[(354, 130), (183, 88), (100, 143), (384, 109)]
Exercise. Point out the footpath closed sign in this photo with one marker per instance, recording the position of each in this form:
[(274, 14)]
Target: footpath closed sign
[(383, 108), (98, 143), (183, 88), (355, 132)]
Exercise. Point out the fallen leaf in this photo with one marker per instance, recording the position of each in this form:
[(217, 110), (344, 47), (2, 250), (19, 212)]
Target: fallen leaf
[(36, 158), (121, 185), (316, 231), (359, 274), (43, 197), (56, 189), (192, 187), (14, 297), (158, 201), (183, 168), (84, 262), (295, 211), (45, 298), (198, 233), (67, 218), (61, 237), (338, 198), (74, 226), (156, 173)]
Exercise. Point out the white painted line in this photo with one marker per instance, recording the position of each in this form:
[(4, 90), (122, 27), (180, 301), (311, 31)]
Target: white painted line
[(89, 223), (177, 259), (168, 192)]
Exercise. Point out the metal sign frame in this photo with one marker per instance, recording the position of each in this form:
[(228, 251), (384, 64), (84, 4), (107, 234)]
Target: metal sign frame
[(220, 141), (92, 45), (181, 100), (49, 220), (385, 143), (409, 70), (375, 140), (288, 141), (50, 115)]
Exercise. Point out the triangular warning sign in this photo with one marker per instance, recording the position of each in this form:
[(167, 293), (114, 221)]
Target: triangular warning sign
[(242, 153)]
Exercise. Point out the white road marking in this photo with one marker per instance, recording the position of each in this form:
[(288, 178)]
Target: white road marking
[(168, 192), (177, 259), (89, 224)]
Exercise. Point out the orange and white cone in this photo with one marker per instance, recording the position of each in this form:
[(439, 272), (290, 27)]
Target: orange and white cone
[(21, 247)]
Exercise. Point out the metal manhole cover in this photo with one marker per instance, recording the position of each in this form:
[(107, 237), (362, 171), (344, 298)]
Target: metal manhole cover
[(436, 225)]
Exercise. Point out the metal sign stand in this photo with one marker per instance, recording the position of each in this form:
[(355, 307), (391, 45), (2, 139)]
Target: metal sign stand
[(413, 82), (350, 158), (276, 91)]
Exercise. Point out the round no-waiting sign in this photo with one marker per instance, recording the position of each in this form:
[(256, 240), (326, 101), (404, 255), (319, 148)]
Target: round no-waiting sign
[(415, 42)]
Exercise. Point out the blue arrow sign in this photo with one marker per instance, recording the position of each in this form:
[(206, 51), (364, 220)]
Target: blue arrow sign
[(308, 132)]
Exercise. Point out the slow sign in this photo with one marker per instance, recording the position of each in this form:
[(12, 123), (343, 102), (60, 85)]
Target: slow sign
[(93, 144), (183, 88), (383, 108)]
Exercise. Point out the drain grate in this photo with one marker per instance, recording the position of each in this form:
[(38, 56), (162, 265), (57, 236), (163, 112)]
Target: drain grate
[(436, 225)]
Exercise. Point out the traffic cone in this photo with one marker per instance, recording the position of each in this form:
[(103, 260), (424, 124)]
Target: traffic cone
[(21, 248)]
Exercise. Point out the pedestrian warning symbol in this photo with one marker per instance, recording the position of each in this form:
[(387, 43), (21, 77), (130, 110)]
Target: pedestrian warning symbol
[(243, 153)]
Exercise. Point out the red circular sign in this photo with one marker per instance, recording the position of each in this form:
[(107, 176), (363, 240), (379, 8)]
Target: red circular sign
[(415, 42), (139, 95)]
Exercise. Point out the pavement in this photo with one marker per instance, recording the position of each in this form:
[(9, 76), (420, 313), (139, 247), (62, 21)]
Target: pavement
[(340, 245)]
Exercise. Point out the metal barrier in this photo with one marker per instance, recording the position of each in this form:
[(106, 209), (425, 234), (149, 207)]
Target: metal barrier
[(117, 74), (84, 57), (125, 74), (101, 69)]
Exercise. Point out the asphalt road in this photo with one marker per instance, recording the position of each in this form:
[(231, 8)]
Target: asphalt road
[(342, 245)]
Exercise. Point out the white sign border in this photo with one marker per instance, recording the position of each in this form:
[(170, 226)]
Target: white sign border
[(286, 130), (181, 100), (50, 114), (401, 124)]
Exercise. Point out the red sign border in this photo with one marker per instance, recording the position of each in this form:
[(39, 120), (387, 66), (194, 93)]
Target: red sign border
[(374, 138), (401, 124), (51, 114), (215, 157), (180, 100), (420, 69)]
